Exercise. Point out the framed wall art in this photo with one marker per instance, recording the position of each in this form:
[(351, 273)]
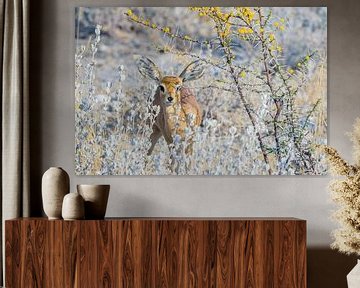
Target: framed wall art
[(200, 90)]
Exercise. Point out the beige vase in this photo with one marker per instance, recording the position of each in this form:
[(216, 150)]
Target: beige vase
[(55, 185), (73, 207), (96, 198)]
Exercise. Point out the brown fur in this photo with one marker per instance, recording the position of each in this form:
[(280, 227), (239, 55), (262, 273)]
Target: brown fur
[(184, 103)]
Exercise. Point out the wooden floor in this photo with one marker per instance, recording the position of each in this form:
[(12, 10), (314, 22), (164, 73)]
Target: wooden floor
[(159, 252)]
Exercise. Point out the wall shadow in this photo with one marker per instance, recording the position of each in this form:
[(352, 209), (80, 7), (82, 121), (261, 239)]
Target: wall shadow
[(328, 268)]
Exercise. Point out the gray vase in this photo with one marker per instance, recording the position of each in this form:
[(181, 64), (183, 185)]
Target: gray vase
[(96, 198), (73, 207), (55, 185)]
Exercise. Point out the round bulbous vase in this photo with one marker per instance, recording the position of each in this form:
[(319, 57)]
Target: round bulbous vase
[(96, 198), (73, 207), (55, 185)]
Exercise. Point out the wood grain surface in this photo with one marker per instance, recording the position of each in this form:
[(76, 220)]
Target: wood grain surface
[(161, 252)]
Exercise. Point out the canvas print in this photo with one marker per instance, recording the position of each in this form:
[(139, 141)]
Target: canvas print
[(200, 90)]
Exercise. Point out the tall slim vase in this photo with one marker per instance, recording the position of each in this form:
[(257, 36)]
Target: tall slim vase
[(55, 185)]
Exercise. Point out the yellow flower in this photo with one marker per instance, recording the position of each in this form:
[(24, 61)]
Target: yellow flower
[(271, 37), (245, 30), (299, 64), (216, 10), (186, 37), (282, 20), (129, 12), (291, 71), (154, 25), (166, 29), (261, 30), (279, 48), (276, 24), (282, 28), (307, 57), (242, 74), (246, 13)]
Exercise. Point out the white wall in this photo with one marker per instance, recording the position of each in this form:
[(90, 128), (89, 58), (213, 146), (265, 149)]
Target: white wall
[(303, 197)]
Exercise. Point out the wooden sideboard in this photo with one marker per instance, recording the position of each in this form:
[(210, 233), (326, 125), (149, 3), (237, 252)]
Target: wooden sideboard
[(156, 252)]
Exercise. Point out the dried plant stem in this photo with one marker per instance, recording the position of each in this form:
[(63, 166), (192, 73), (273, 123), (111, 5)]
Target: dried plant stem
[(346, 193), (277, 102), (234, 76)]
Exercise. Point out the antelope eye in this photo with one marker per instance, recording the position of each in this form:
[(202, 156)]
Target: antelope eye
[(162, 89)]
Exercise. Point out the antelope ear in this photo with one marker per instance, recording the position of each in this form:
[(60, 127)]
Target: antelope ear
[(148, 69), (193, 71)]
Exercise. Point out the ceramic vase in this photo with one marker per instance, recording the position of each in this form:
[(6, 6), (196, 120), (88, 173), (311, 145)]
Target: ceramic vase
[(96, 198), (353, 278), (73, 207), (55, 185)]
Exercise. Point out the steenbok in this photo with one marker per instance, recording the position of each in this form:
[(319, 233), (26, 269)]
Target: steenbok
[(179, 109)]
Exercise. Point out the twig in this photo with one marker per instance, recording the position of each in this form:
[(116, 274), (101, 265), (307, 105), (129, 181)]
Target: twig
[(234, 76), (163, 30)]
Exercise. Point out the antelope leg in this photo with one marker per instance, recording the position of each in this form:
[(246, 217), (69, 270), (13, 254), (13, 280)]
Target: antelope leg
[(155, 135)]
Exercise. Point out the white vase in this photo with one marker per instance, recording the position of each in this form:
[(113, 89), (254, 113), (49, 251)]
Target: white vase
[(55, 185), (96, 198), (353, 278)]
